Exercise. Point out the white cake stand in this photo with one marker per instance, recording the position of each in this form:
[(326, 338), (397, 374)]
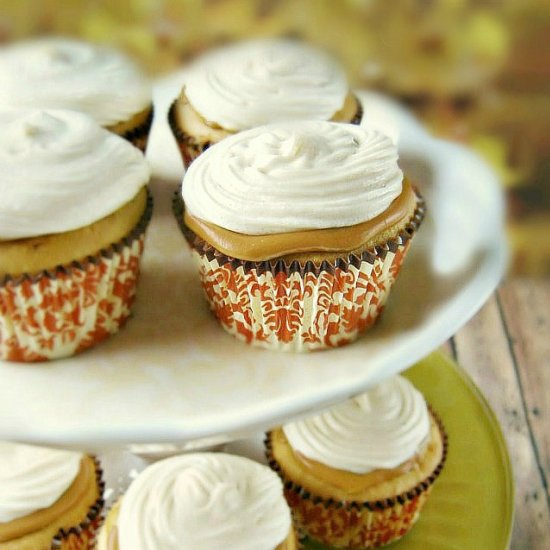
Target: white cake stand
[(173, 375)]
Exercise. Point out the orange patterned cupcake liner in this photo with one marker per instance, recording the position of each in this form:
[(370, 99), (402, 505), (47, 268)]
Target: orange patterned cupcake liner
[(299, 306), (83, 536), (59, 312), (356, 524)]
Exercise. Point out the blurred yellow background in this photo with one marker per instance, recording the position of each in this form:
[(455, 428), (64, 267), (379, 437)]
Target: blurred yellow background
[(477, 71)]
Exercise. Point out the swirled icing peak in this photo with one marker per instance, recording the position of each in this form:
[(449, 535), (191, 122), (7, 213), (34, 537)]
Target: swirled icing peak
[(382, 428), (33, 478), (204, 500), (262, 81), (61, 73), (294, 176), (60, 171)]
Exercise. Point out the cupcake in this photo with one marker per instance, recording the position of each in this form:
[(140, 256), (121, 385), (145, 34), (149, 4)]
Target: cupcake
[(254, 83), (72, 221), (204, 500), (299, 231), (60, 73), (358, 475), (49, 498)]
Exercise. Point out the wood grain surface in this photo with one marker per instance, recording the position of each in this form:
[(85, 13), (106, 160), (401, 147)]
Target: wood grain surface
[(506, 350)]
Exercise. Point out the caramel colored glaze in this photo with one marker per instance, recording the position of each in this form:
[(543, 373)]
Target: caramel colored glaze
[(125, 126), (35, 254), (203, 131), (108, 538), (68, 511), (314, 245), (326, 482), (348, 481)]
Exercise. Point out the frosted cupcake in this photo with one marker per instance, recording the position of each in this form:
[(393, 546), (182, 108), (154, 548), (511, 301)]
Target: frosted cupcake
[(48, 498), (204, 500), (299, 231), (61, 73), (72, 221), (358, 475), (254, 83)]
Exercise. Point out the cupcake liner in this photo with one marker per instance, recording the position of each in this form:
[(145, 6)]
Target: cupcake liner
[(59, 312), (356, 524), (83, 536), (358, 117), (139, 135), (294, 306)]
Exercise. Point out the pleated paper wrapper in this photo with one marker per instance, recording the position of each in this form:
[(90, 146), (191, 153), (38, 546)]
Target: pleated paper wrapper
[(63, 311), (357, 524), (299, 306), (83, 536)]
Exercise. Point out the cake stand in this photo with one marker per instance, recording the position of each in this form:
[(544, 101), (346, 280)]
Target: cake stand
[(172, 374)]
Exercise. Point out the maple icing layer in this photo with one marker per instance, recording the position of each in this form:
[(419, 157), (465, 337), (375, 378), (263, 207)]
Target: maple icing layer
[(334, 240)]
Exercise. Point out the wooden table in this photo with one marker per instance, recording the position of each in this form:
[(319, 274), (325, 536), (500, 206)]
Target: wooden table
[(506, 350)]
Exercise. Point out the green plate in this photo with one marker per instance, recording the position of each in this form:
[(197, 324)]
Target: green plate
[(472, 503)]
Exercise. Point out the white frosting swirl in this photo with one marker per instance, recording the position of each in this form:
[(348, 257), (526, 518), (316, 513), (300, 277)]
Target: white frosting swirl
[(60, 171), (294, 176), (204, 500), (263, 81), (382, 428), (33, 478), (61, 73)]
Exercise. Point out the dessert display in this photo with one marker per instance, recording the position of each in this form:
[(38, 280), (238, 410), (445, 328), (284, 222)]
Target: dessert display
[(299, 231), (49, 498), (358, 475), (298, 217), (72, 222), (61, 73), (201, 500), (254, 83)]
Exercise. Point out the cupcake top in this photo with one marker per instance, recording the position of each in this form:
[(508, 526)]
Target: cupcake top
[(68, 74), (253, 83), (381, 428), (60, 171), (33, 478), (204, 500), (292, 177)]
